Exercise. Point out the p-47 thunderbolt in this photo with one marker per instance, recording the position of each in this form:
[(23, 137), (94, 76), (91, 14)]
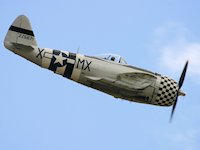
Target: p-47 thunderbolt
[(108, 73)]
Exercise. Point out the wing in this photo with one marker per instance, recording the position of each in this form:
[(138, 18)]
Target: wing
[(137, 80), (129, 81)]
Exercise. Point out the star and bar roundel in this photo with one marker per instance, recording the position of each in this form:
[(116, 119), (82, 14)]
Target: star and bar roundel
[(62, 61)]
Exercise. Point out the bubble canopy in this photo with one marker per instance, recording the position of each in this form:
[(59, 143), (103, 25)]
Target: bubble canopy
[(112, 57)]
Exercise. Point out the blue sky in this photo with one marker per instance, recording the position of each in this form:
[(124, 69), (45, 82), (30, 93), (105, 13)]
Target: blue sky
[(41, 110)]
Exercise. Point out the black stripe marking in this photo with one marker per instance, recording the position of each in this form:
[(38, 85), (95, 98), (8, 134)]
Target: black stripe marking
[(56, 52), (68, 71), (70, 67), (20, 30), (72, 56)]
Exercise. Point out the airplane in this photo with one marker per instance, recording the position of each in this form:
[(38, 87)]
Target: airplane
[(108, 73)]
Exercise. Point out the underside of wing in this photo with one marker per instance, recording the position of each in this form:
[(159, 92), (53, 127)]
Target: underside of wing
[(129, 81), (137, 81)]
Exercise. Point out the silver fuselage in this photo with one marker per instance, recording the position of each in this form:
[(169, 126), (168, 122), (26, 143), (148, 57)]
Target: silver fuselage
[(118, 80), (109, 76)]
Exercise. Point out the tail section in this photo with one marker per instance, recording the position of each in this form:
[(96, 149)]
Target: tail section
[(20, 34)]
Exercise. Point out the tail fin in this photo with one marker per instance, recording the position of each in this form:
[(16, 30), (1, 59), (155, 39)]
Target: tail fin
[(20, 33)]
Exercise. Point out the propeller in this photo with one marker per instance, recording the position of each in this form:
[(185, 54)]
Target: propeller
[(180, 83)]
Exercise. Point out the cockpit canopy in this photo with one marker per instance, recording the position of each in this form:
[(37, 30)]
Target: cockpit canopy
[(112, 57)]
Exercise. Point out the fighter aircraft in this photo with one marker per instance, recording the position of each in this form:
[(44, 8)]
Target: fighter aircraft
[(108, 73)]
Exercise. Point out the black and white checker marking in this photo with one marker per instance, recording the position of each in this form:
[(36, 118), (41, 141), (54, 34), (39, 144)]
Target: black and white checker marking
[(166, 92)]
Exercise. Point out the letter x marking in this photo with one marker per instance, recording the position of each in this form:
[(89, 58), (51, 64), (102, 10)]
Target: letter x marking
[(40, 53), (88, 65)]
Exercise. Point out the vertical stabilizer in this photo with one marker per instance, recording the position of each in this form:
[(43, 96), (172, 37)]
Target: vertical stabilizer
[(20, 33)]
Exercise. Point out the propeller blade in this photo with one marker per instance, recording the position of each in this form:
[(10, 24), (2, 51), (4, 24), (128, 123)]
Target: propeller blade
[(181, 80), (173, 108), (180, 83)]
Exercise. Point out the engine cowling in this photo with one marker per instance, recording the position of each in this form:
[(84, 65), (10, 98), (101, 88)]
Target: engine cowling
[(165, 91)]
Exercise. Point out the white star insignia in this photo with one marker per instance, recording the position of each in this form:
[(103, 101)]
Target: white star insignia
[(59, 59)]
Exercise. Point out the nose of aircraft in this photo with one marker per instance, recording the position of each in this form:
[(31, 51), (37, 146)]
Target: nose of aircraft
[(166, 92)]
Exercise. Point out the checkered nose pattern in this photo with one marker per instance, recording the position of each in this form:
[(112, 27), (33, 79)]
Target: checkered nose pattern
[(166, 92)]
